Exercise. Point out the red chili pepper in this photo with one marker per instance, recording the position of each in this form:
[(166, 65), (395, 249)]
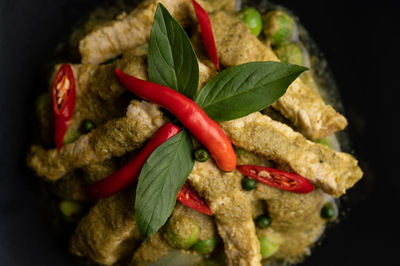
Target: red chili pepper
[(63, 102), (206, 33), (206, 130), (128, 174), (277, 178), (188, 197)]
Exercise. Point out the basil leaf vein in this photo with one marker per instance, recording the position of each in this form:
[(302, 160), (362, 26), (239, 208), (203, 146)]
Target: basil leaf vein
[(244, 89), (160, 180), (172, 61)]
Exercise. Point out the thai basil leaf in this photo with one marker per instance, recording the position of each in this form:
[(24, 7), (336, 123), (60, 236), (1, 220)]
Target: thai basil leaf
[(172, 61), (245, 89), (160, 180)]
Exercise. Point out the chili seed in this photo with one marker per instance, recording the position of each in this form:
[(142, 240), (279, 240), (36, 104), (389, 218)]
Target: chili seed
[(87, 126), (201, 155), (248, 183), (263, 221)]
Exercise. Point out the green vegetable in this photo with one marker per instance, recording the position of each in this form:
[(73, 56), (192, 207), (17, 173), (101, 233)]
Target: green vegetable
[(71, 210), (291, 53), (160, 180), (87, 126), (181, 232), (248, 183), (263, 221), (71, 135), (267, 248), (201, 155), (205, 246), (172, 61), (41, 102), (253, 20), (244, 89), (278, 26), (328, 211), (325, 142)]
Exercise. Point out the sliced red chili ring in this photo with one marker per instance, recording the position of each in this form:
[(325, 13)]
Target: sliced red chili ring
[(64, 96), (277, 178), (189, 198)]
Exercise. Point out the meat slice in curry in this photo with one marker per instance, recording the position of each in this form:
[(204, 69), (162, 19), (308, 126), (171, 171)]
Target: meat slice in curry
[(220, 217)]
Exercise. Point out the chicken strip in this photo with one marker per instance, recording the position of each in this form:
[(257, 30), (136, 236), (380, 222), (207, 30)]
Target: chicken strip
[(230, 206), (333, 171), (108, 232), (300, 104), (114, 138), (134, 29)]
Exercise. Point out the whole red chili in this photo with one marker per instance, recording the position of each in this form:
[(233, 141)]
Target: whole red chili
[(277, 178), (206, 130), (64, 95), (130, 172), (206, 32), (188, 197)]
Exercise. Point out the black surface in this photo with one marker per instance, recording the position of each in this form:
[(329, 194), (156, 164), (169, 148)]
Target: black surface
[(358, 39)]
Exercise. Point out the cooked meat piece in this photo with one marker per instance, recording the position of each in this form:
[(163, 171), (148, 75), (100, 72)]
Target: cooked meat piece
[(151, 250), (156, 246), (108, 232), (114, 138), (301, 104), (232, 212), (333, 171), (97, 171), (133, 29)]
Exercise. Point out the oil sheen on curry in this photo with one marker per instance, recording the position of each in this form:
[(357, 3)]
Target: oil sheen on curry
[(182, 132)]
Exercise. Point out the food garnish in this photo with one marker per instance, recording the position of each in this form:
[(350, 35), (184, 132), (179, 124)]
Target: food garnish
[(233, 93), (128, 174), (206, 33), (206, 130), (277, 178), (160, 180), (172, 61), (188, 197), (64, 95)]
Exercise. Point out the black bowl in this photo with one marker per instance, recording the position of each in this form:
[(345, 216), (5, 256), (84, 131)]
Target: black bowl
[(356, 38)]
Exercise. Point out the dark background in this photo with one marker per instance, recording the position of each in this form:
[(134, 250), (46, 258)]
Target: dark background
[(358, 39)]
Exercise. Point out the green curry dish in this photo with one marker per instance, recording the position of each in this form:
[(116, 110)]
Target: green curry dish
[(291, 53), (278, 26), (253, 20), (181, 232)]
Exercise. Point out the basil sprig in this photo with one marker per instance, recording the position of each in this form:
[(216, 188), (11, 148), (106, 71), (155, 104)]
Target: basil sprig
[(233, 93), (244, 89), (160, 180), (172, 61)]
